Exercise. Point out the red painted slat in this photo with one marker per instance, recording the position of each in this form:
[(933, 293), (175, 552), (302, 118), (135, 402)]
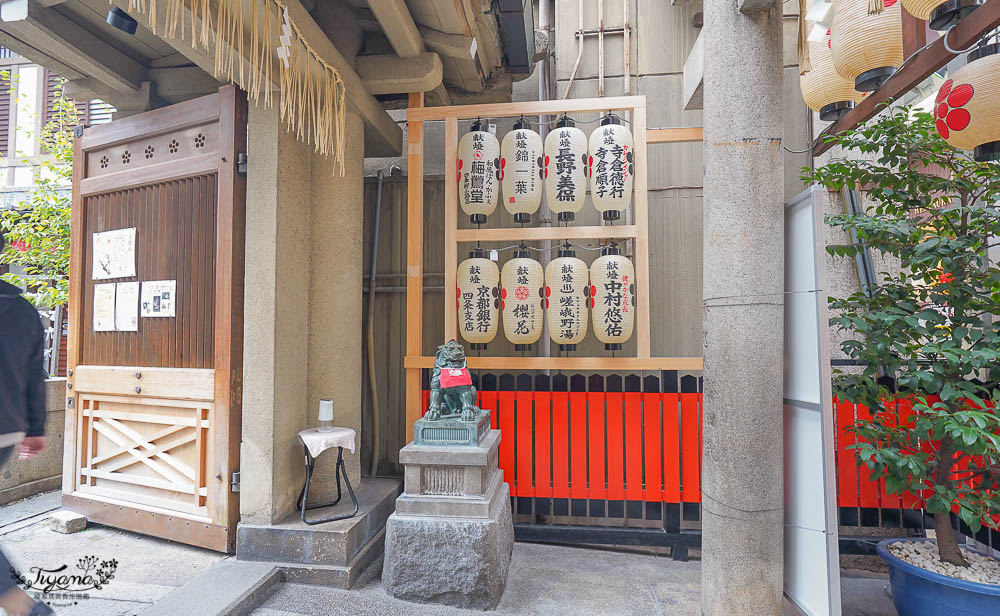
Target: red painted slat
[(560, 444), (596, 442), (908, 500), (633, 445), (578, 446), (507, 438), (671, 449), (652, 431), (525, 483), (868, 489), (425, 399), (616, 441), (847, 466), (690, 448), (889, 501), (543, 431), (490, 400)]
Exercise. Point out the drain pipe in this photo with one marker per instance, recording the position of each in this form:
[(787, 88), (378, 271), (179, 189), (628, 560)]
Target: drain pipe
[(579, 50), (370, 326), (600, 47), (628, 50), (544, 94)]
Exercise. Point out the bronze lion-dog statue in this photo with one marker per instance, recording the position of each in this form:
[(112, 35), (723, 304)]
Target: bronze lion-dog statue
[(452, 391)]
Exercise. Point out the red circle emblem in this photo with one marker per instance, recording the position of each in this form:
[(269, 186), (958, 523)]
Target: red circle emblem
[(949, 114), (521, 292)]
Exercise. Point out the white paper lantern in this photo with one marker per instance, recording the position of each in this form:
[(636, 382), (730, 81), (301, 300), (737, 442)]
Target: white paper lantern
[(478, 299), (566, 169), (611, 166), (478, 173), (567, 299), (521, 171), (522, 298), (967, 107), (612, 290), (867, 49)]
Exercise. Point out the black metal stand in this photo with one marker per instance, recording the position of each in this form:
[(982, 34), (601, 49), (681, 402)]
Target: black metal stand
[(304, 495)]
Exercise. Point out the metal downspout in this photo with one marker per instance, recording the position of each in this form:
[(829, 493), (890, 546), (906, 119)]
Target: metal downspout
[(370, 327)]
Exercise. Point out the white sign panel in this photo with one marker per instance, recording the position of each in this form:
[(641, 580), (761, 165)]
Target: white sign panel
[(104, 307), (127, 307), (812, 554), (158, 298), (114, 254)]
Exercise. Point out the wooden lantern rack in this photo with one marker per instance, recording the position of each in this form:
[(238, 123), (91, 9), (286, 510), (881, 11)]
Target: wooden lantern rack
[(416, 115)]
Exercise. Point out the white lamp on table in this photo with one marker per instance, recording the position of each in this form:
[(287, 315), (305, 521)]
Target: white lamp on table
[(325, 414)]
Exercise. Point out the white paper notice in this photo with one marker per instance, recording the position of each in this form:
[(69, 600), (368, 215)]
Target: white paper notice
[(127, 307), (158, 298), (114, 254), (104, 307)]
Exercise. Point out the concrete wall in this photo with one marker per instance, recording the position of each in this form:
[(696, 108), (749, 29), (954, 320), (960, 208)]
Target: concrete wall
[(302, 310), (662, 37), (23, 478)]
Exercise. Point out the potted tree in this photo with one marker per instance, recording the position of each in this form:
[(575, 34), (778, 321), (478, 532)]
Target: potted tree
[(934, 325)]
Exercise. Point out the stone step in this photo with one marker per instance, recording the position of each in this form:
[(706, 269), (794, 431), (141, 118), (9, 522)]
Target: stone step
[(231, 588), (332, 575), (334, 544)]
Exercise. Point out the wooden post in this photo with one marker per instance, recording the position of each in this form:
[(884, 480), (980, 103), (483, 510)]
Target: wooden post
[(414, 261), (77, 261), (228, 361), (641, 215), (914, 34), (450, 229)]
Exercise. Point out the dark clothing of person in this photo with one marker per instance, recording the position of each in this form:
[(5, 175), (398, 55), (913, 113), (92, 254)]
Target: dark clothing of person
[(22, 377)]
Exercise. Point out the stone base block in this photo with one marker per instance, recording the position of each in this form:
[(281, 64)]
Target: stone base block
[(64, 521), (462, 562)]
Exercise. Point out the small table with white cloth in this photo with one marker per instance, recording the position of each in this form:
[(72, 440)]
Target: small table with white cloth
[(314, 442)]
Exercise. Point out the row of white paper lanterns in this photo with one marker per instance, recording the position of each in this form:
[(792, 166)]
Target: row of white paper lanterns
[(521, 165), (864, 47), (567, 292)]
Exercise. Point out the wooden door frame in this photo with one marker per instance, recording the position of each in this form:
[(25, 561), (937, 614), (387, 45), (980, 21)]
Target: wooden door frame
[(229, 108)]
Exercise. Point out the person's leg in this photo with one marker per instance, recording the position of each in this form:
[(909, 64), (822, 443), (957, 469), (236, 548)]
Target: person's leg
[(13, 600)]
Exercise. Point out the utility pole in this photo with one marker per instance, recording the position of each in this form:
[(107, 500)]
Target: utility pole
[(742, 470)]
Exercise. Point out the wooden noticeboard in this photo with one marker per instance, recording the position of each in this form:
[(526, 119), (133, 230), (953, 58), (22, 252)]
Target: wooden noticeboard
[(153, 416), (637, 231)]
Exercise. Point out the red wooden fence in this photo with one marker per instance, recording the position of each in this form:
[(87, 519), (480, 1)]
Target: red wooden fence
[(633, 445)]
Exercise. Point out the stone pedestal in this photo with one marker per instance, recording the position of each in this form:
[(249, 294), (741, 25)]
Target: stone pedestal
[(451, 537)]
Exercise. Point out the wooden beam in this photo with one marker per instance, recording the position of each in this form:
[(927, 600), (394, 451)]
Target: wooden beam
[(640, 211), (398, 26), (414, 261), (390, 74), (545, 233), (675, 135), (450, 229), (606, 364), (511, 110), (920, 67), (58, 36)]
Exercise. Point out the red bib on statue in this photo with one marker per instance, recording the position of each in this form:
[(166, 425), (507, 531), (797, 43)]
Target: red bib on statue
[(454, 377)]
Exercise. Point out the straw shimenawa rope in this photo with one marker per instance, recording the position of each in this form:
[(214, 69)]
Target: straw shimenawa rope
[(312, 94), (876, 7), (805, 65)]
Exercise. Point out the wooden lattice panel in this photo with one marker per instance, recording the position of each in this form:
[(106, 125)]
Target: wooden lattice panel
[(149, 452)]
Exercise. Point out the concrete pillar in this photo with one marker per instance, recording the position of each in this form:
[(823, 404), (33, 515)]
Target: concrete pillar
[(276, 323), (303, 302), (742, 495), (335, 297)]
